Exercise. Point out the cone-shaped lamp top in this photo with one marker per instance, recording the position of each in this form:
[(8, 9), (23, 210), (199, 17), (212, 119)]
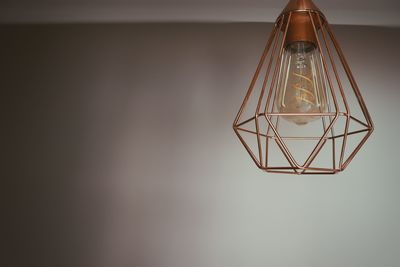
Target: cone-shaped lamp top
[(294, 5), (300, 26)]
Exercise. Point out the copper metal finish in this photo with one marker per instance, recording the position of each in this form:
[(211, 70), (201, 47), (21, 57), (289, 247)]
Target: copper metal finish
[(301, 20), (300, 5), (300, 29)]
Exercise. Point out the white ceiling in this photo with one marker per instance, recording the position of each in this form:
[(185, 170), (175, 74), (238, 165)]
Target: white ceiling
[(354, 12)]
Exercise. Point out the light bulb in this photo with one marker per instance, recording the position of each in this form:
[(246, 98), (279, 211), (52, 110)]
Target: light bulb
[(301, 83)]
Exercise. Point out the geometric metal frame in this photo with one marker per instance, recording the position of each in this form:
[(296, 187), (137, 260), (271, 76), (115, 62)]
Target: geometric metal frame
[(265, 118)]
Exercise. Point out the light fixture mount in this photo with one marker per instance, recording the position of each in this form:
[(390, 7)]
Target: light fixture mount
[(303, 103), (300, 27)]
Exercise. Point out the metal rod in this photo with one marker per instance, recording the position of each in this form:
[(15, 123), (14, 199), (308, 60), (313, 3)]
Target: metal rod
[(281, 145), (260, 154), (318, 147), (351, 77), (247, 148), (304, 114), (260, 64), (244, 122)]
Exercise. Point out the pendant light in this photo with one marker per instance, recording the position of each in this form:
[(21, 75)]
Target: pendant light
[(303, 112)]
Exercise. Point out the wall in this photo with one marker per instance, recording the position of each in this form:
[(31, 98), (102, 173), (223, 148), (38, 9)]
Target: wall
[(119, 152)]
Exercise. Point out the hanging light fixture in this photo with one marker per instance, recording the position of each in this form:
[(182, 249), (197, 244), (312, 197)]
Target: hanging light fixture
[(303, 112)]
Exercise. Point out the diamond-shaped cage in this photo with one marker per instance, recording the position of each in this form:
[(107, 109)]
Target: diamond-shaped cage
[(324, 146)]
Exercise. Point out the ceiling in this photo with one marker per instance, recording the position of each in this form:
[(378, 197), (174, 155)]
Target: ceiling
[(353, 12)]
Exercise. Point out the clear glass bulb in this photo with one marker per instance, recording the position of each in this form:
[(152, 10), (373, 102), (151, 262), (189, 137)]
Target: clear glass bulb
[(301, 83)]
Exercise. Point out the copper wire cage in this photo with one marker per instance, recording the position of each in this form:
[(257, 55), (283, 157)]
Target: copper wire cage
[(329, 144)]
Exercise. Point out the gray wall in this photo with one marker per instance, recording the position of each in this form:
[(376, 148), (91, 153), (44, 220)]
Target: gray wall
[(119, 152)]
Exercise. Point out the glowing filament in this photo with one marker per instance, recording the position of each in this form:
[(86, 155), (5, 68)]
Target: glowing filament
[(304, 94)]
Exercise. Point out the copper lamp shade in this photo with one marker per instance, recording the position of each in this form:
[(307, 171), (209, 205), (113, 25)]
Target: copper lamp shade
[(303, 112)]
